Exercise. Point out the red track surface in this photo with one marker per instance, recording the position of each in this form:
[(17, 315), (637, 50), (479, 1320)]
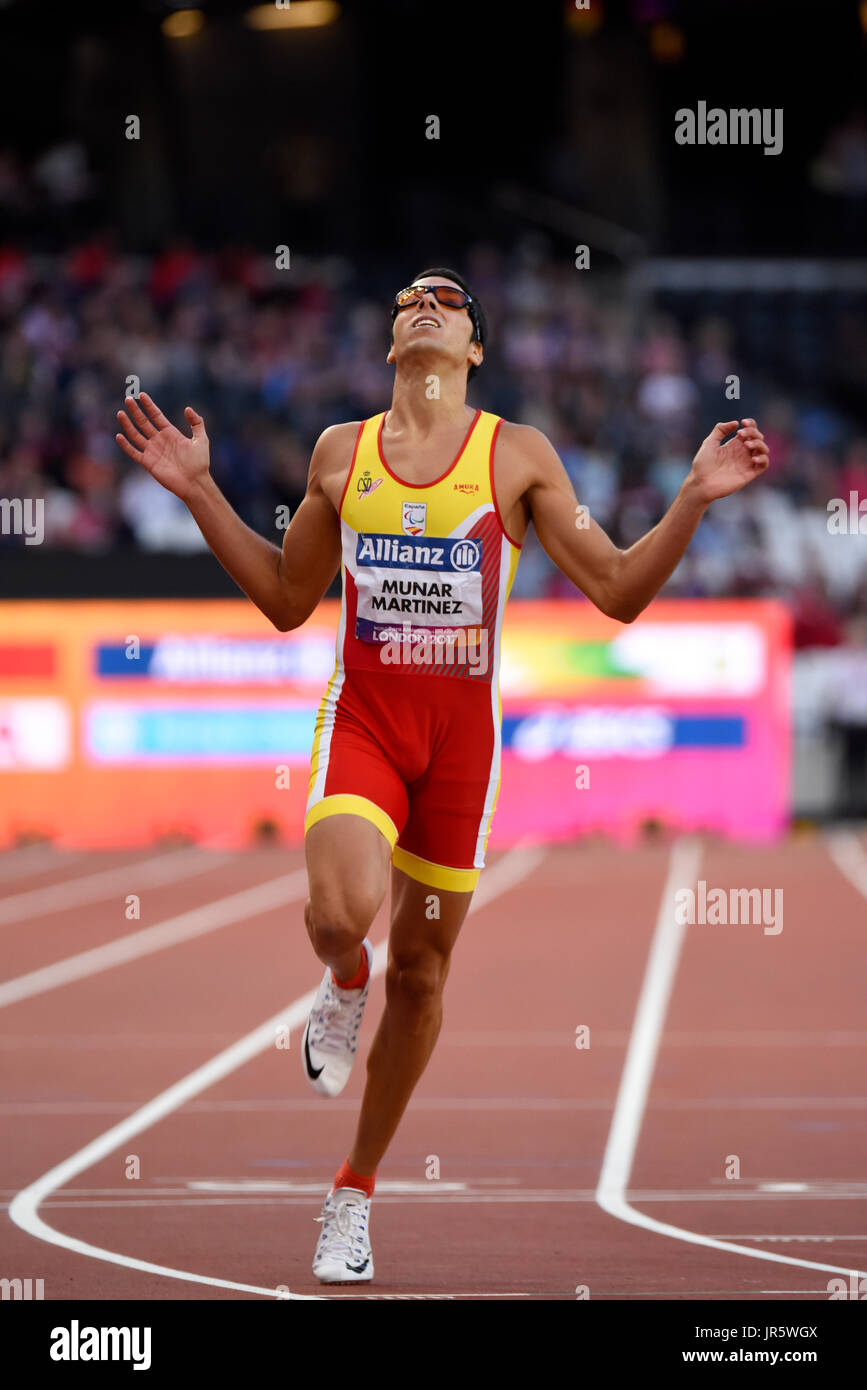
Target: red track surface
[(762, 1057)]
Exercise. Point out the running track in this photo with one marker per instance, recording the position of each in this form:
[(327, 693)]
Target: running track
[(600, 1168)]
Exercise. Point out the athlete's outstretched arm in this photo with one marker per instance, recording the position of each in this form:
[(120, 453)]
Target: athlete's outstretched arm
[(286, 585), (622, 582)]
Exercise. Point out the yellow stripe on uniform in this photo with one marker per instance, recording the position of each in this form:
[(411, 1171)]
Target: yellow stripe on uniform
[(436, 875), (347, 804)]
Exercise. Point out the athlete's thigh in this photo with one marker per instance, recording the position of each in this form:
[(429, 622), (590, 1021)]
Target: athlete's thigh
[(425, 921), (452, 803), (347, 867)]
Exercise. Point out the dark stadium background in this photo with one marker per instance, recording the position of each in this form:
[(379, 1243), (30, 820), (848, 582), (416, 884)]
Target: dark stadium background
[(157, 257)]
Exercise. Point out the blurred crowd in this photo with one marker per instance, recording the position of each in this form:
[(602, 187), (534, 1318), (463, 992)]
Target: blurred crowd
[(271, 357)]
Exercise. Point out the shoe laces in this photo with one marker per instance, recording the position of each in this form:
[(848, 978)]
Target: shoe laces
[(344, 1228), (334, 1027)]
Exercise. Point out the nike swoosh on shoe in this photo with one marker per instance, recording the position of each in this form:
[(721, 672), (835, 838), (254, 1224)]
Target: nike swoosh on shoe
[(312, 1072)]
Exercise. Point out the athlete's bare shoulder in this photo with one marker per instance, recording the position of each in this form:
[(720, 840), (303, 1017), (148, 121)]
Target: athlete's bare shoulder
[(331, 460), (523, 457), (526, 452)]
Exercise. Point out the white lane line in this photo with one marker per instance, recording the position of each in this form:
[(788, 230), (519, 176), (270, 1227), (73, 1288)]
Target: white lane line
[(520, 1041), (829, 1240), (600, 1297), (802, 1104), (270, 1185), (847, 853), (24, 1208), (434, 1297), (197, 922), (91, 888), (638, 1070), (110, 1042), (522, 1196)]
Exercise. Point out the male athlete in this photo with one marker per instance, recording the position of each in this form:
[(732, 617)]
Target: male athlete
[(424, 508)]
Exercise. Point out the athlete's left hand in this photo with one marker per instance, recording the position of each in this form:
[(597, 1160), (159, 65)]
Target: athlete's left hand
[(719, 469)]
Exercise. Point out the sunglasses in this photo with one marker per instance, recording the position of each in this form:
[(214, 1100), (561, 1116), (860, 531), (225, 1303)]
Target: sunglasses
[(449, 295)]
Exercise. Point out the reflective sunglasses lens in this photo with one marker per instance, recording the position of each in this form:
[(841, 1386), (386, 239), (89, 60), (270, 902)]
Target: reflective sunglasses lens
[(451, 297)]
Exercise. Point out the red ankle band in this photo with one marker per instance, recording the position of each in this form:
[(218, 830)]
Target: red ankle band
[(345, 1177), (359, 979)]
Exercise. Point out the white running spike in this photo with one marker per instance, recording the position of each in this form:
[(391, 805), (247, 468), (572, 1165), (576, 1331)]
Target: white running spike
[(331, 1035), (343, 1254)]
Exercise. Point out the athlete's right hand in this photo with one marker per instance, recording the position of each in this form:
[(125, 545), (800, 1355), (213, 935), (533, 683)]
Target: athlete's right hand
[(174, 460)]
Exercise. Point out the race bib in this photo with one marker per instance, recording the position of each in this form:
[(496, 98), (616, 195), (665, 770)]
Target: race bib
[(431, 584)]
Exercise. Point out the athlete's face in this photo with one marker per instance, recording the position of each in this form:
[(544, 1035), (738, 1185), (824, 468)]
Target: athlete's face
[(428, 331)]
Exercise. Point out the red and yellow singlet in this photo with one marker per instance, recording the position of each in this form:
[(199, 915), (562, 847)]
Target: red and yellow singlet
[(408, 732)]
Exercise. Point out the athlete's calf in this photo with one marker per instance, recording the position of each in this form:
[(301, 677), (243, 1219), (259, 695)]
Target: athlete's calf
[(418, 966)]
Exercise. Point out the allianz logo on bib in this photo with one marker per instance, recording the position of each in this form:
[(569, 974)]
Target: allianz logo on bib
[(458, 555), (429, 582)]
